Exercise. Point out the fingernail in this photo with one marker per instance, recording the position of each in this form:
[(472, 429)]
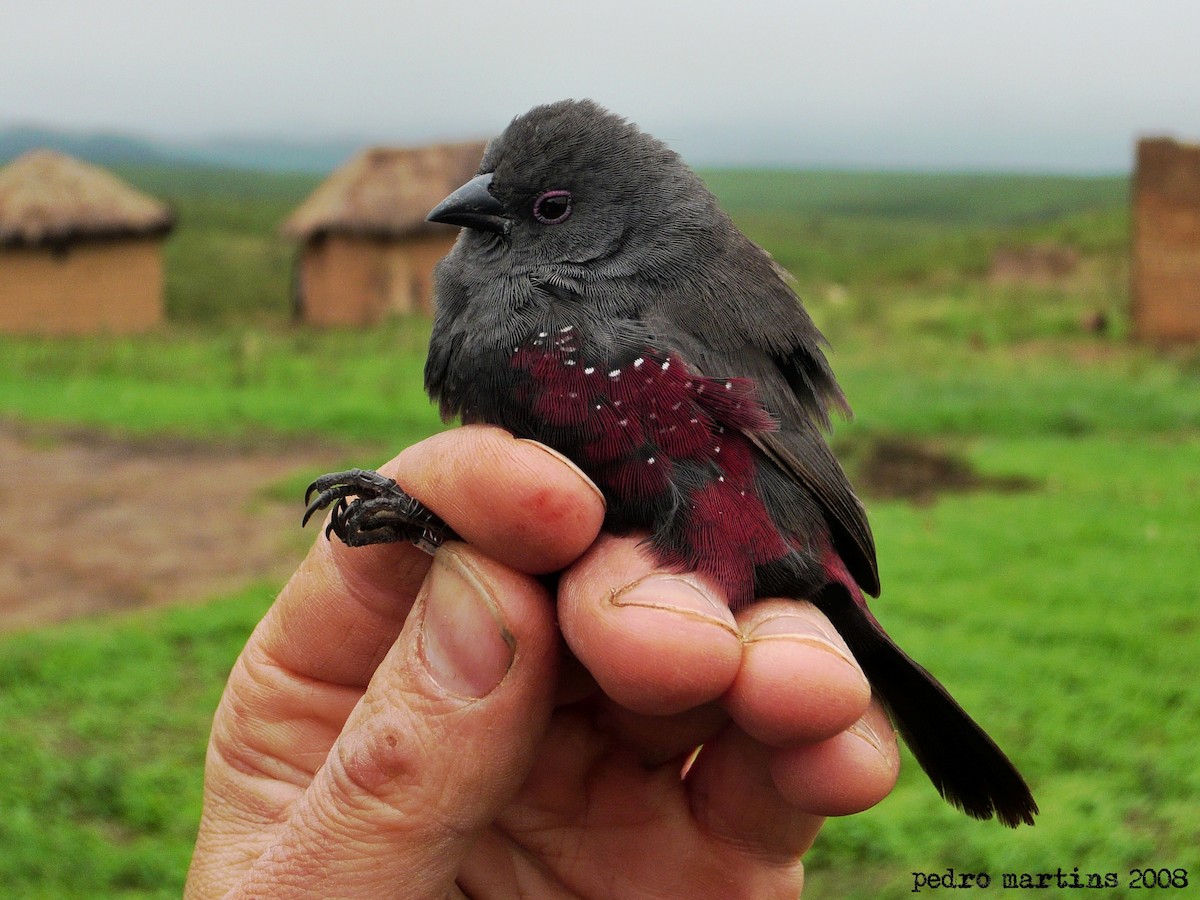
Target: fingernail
[(802, 629), (568, 463), (676, 594), (464, 640)]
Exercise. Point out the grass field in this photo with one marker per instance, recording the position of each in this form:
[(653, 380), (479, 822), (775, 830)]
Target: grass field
[(1064, 615)]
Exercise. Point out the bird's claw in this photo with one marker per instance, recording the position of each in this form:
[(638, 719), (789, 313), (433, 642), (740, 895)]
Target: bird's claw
[(369, 508)]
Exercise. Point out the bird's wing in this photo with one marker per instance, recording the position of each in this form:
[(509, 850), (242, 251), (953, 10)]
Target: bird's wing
[(808, 459), (769, 338)]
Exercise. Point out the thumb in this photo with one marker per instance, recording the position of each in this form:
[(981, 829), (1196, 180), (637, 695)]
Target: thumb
[(442, 739)]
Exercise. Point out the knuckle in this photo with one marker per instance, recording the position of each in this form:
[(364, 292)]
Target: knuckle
[(380, 772), (377, 763)]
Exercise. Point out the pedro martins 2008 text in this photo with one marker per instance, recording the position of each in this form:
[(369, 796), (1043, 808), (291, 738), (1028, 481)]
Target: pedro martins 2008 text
[(1060, 879)]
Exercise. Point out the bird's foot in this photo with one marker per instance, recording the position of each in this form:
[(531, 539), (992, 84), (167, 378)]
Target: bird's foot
[(379, 513)]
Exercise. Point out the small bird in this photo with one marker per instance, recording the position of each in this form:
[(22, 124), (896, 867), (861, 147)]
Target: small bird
[(599, 301)]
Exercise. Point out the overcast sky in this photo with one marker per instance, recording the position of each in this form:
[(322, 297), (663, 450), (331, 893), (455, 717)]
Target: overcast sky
[(1019, 84)]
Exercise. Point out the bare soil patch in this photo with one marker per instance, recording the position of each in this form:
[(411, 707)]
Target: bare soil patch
[(92, 523), (95, 524), (1044, 264), (901, 468)]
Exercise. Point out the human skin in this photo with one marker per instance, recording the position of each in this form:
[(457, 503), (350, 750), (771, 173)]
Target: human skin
[(407, 726)]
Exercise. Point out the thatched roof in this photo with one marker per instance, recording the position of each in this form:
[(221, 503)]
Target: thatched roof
[(48, 197), (385, 192)]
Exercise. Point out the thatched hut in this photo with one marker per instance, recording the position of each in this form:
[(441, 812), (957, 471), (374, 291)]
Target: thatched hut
[(1166, 241), (366, 250), (80, 250)]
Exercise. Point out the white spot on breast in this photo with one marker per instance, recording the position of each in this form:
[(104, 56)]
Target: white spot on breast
[(566, 328), (638, 362), (651, 461), (590, 370), (543, 334), (728, 385), (615, 373), (623, 422), (568, 362), (666, 365)]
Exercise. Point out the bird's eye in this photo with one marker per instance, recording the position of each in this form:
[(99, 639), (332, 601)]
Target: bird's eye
[(552, 207)]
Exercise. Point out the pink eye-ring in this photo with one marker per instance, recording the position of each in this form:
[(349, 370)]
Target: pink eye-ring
[(552, 207)]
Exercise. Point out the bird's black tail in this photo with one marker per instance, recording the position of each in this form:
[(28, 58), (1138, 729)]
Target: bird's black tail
[(964, 764)]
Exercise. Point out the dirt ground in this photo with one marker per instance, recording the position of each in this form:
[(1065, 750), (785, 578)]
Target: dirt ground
[(94, 524)]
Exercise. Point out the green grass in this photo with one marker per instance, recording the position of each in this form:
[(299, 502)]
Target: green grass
[(1064, 616), (961, 199), (1066, 620), (102, 749), (226, 261), (1005, 393), (241, 385), (861, 228)]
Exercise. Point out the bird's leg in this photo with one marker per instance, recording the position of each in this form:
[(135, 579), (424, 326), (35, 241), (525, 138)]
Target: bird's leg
[(379, 513)]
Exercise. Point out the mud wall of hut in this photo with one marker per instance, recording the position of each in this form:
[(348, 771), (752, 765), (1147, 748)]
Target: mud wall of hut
[(111, 287), (351, 281), (1166, 242)]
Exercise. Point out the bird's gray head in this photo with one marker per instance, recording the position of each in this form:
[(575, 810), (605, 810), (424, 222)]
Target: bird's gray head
[(571, 184)]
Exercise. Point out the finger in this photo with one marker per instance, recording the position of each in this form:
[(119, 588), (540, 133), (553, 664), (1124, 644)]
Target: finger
[(441, 740), (798, 682), (657, 740), (300, 675), (656, 642), (587, 803), (844, 774), (518, 501), (735, 800)]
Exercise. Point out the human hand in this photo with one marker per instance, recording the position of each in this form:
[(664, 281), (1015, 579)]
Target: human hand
[(401, 726)]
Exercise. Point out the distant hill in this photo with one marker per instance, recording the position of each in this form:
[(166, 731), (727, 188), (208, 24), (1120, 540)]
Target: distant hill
[(98, 147), (116, 149), (272, 154)]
